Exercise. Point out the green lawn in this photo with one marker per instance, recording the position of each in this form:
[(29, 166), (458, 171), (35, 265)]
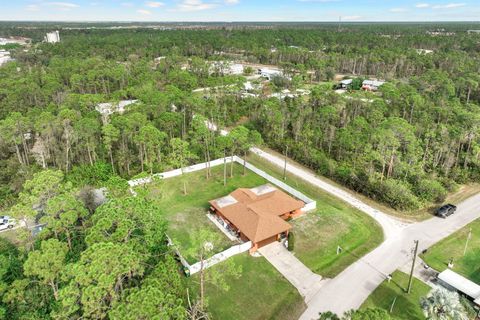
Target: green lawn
[(333, 223), (260, 293), (188, 212), (407, 306), (453, 246)]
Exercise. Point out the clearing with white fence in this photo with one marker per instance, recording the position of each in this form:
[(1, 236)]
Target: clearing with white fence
[(310, 204)]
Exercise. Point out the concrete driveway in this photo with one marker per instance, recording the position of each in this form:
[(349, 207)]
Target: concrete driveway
[(306, 282)]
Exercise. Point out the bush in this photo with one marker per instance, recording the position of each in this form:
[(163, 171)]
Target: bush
[(430, 190), (356, 84), (92, 175), (397, 194), (291, 241)]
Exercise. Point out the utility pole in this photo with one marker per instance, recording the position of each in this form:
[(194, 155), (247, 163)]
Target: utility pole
[(413, 267), (285, 166), (466, 243)]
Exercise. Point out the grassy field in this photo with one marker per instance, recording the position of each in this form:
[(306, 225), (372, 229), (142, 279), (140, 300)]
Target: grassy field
[(318, 233), (407, 306), (186, 213), (453, 246), (260, 293)]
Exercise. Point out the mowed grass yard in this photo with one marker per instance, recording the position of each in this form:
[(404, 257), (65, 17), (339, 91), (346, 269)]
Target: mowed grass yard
[(187, 213), (452, 247), (260, 293), (334, 223), (407, 306)]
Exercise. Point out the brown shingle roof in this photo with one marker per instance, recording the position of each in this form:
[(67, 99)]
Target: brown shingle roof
[(256, 212)]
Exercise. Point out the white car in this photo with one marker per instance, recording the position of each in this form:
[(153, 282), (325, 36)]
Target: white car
[(6, 223)]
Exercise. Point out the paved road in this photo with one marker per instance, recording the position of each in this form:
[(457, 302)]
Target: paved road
[(351, 287), (391, 226)]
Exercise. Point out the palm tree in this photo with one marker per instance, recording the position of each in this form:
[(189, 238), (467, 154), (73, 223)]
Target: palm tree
[(442, 304)]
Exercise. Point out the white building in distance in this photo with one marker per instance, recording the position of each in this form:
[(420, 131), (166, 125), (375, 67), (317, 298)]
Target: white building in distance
[(53, 37), (224, 67), (372, 85), (4, 57), (269, 74), (108, 108), (13, 40)]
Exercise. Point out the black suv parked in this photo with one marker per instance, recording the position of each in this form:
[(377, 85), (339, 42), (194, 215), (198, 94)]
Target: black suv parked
[(445, 211)]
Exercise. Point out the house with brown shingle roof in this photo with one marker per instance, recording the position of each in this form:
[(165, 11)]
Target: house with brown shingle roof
[(259, 214)]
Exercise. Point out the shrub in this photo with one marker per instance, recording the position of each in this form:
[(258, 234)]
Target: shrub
[(291, 241), (90, 174), (397, 194), (430, 190)]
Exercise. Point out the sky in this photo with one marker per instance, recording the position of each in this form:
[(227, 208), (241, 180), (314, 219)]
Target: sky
[(240, 10)]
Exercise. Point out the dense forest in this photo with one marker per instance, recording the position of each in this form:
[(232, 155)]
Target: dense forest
[(408, 145)]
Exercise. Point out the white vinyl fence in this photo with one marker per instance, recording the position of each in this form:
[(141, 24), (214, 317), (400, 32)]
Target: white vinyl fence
[(219, 257), (310, 204)]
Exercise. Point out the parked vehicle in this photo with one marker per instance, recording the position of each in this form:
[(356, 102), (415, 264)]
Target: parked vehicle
[(446, 210), (6, 222)]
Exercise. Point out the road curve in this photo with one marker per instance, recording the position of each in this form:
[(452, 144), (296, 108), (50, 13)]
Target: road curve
[(390, 225), (350, 288)]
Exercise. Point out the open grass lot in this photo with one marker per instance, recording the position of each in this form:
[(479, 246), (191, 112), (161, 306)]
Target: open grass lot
[(407, 306), (439, 255), (186, 213), (260, 293), (318, 233)]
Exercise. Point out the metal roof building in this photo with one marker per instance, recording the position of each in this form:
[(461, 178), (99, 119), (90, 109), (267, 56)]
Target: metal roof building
[(453, 280)]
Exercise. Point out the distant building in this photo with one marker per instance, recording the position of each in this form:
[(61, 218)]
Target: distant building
[(14, 40), (108, 108), (289, 94), (52, 37), (424, 51), (4, 57), (473, 31), (344, 84), (269, 74), (372, 85), (247, 86), (224, 67)]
